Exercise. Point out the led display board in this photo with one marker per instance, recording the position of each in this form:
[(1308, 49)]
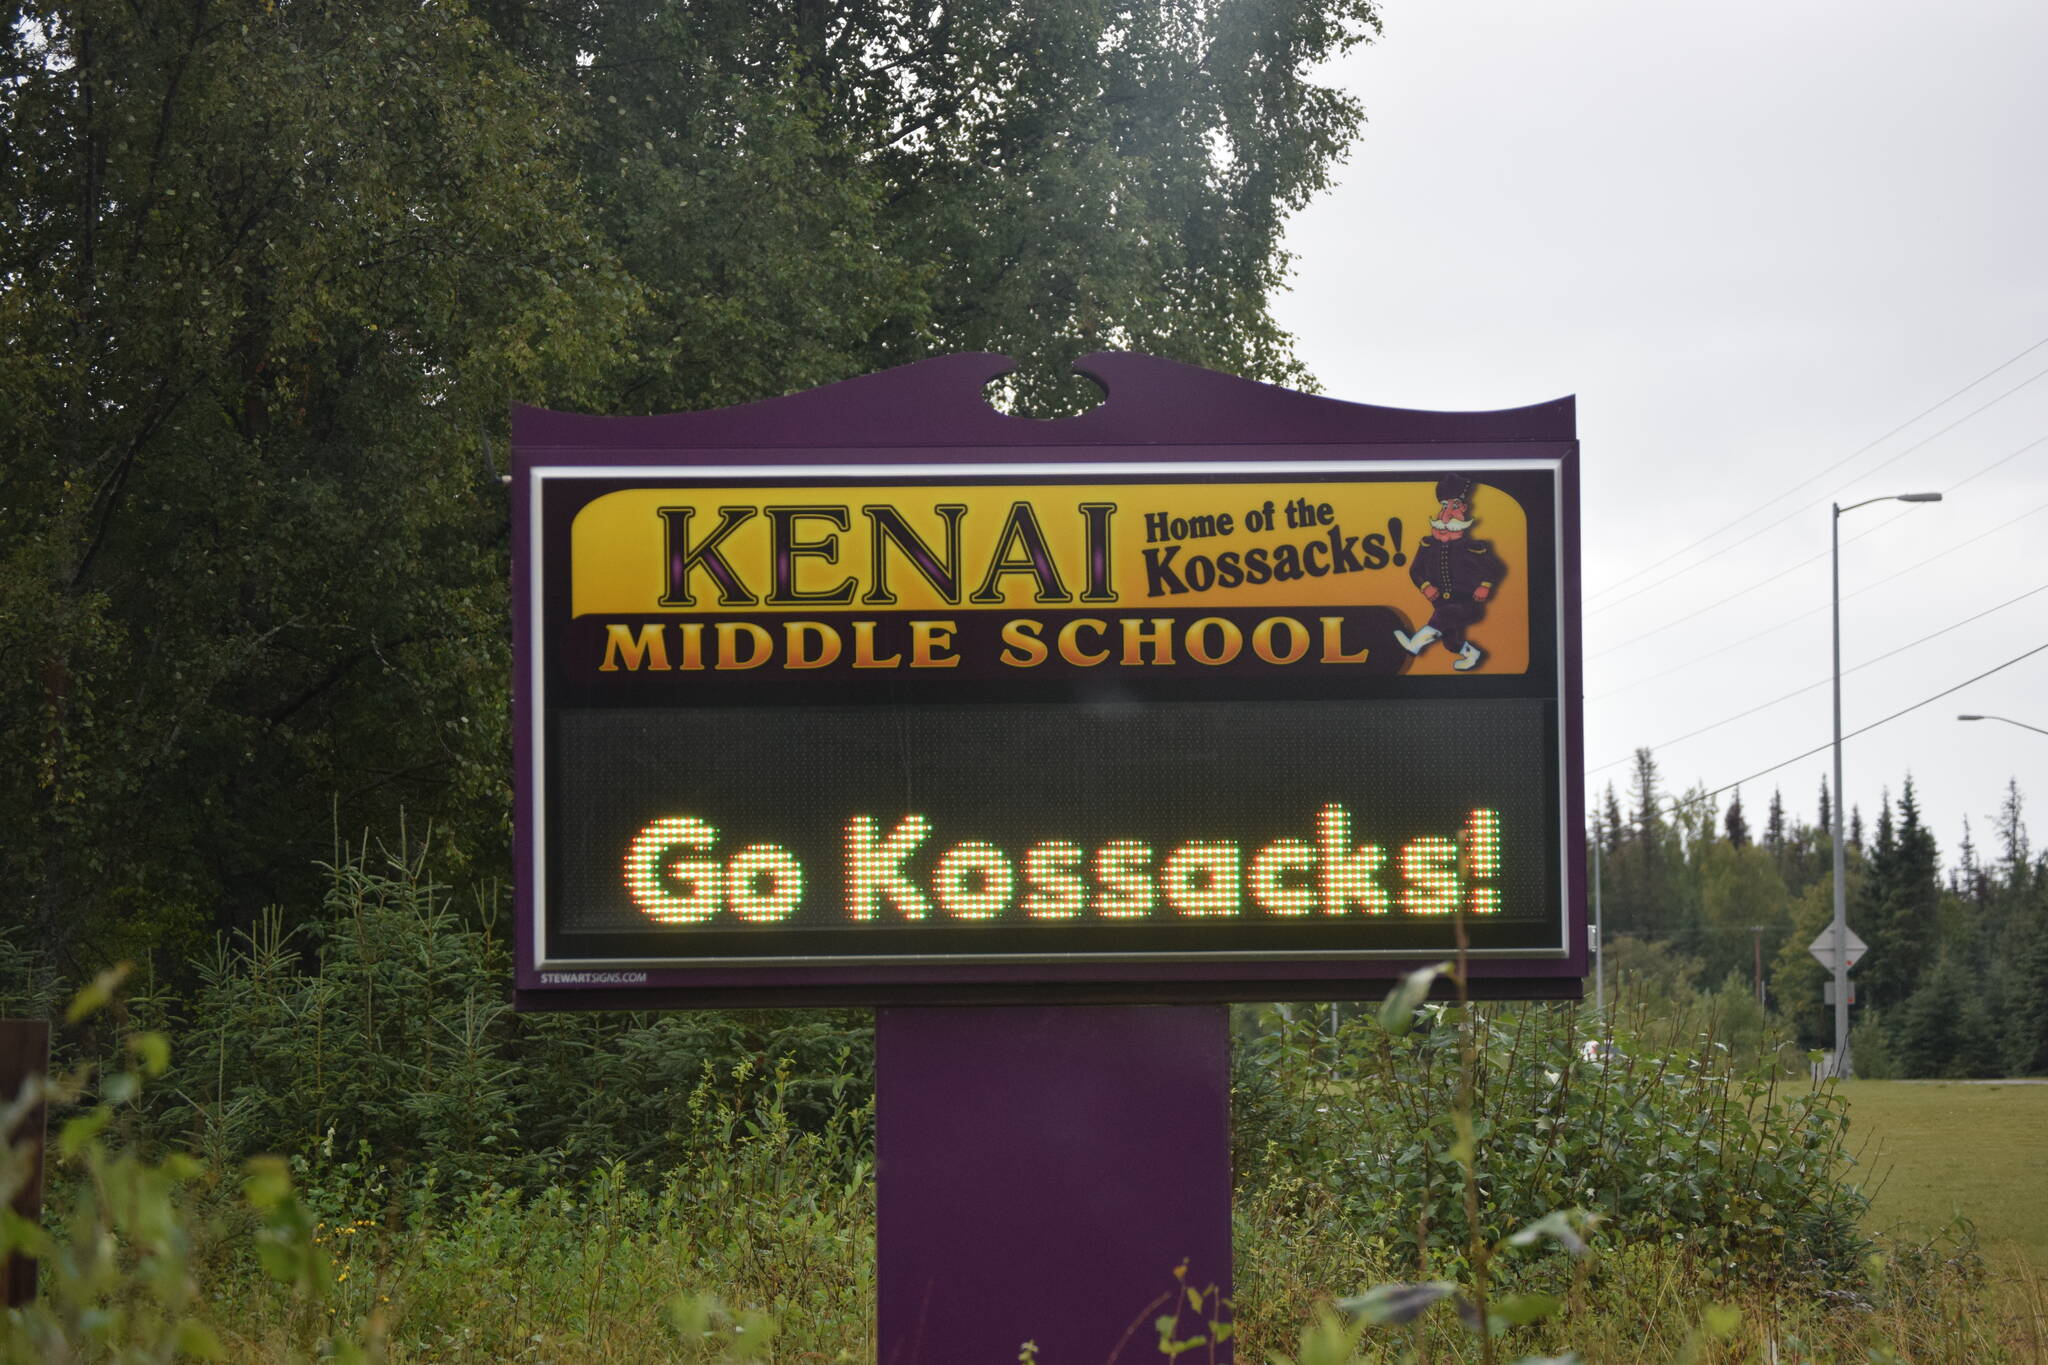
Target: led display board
[(986, 716)]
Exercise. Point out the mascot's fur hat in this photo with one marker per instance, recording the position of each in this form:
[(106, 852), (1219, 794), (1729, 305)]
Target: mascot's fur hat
[(1454, 486)]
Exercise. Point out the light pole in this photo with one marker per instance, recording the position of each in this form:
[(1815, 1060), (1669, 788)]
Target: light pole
[(2009, 721), (1841, 924)]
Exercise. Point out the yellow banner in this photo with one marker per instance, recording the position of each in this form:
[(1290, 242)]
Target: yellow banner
[(1024, 548)]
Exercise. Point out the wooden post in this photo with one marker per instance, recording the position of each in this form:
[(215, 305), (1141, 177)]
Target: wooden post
[(24, 1056)]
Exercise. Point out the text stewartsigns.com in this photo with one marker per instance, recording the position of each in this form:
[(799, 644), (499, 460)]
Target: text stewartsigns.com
[(1189, 715)]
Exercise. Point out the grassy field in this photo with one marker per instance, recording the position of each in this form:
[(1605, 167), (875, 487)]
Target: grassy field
[(1941, 1148)]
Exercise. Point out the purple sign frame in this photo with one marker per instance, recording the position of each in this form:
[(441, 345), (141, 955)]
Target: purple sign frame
[(935, 412)]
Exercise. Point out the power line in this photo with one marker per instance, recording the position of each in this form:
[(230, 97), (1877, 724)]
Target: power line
[(1804, 615), (1995, 464), (1802, 691), (1779, 573), (1806, 507), (2003, 365), (1676, 622), (1866, 729)]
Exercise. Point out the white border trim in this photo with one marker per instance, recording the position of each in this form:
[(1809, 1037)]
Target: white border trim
[(538, 474)]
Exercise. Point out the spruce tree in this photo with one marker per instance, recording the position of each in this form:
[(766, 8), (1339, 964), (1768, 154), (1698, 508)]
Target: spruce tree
[(1880, 977), (1649, 815), (2013, 849), (1642, 876), (1914, 900), (1969, 878), (2026, 1001), (1929, 1035), (1735, 826), (1898, 913)]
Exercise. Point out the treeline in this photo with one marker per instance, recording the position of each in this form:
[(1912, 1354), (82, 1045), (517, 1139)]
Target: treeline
[(270, 276), (1711, 899)]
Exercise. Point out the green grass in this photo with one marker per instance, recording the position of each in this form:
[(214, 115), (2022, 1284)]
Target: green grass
[(1935, 1149)]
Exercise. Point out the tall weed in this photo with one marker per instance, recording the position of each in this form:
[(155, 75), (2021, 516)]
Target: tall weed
[(617, 1265), (122, 1253)]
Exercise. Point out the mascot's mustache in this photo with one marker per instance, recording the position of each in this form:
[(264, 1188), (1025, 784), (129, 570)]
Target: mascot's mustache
[(1453, 525)]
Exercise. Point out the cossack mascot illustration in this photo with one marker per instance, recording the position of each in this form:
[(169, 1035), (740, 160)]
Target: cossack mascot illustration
[(1456, 573)]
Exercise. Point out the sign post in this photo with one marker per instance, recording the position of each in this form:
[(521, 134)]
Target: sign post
[(1045, 738)]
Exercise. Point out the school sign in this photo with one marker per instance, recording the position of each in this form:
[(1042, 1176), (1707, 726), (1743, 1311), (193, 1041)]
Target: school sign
[(872, 694)]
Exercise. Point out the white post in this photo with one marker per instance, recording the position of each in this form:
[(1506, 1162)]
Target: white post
[(1841, 922), (1599, 938)]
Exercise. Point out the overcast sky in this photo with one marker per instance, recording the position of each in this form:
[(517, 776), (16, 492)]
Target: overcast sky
[(1753, 238)]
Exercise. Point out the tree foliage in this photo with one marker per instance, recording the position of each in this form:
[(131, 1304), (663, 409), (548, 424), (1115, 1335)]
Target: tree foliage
[(255, 341), (270, 275), (808, 191)]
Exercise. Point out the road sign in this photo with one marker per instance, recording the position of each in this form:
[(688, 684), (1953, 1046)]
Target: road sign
[(1823, 948), (1828, 992)]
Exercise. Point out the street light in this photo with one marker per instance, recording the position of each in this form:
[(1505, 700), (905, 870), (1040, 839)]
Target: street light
[(1841, 924), (2009, 721)]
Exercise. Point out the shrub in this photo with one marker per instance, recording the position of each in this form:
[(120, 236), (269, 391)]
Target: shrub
[(381, 1026), (1649, 1129)]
